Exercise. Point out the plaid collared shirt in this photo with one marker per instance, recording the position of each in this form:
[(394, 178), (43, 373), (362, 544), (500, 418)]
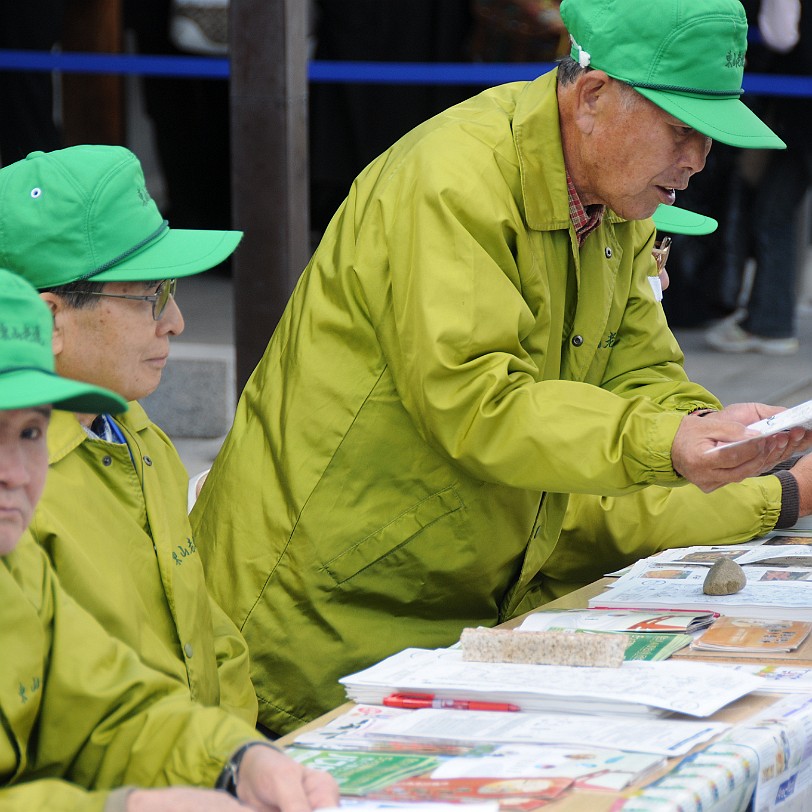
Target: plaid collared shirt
[(585, 218)]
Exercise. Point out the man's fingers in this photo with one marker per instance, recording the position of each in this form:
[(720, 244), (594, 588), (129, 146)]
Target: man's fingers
[(273, 782), (321, 789)]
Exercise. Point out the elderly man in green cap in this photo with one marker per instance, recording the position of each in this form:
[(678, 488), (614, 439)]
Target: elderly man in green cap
[(84, 721), (81, 227), (474, 339)]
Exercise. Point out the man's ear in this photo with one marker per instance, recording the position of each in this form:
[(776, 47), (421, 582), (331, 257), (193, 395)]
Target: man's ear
[(57, 308), (588, 99)]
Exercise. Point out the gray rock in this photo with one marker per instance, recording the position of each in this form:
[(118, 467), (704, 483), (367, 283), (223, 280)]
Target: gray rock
[(725, 577)]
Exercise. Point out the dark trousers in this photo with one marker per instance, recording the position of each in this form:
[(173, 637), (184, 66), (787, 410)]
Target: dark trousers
[(775, 221)]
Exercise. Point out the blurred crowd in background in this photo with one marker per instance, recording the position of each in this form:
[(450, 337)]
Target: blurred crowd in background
[(742, 284)]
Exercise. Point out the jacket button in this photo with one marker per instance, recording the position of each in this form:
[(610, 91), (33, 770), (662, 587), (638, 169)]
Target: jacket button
[(577, 341), (147, 460), (608, 252), (188, 650), (107, 461)]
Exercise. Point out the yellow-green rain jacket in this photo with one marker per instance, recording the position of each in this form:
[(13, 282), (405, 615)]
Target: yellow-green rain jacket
[(604, 533), (117, 532), (448, 368), (80, 712)]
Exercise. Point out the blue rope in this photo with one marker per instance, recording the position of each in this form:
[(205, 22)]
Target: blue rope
[(481, 74), (127, 64)]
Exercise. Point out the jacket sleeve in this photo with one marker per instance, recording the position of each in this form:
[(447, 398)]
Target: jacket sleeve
[(59, 796), (604, 533), (106, 720), (452, 327), (237, 694), (648, 361)]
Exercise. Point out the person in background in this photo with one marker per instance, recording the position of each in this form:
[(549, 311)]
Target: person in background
[(81, 227), (473, 340), (772, 192), (190, 118), (84, 721)]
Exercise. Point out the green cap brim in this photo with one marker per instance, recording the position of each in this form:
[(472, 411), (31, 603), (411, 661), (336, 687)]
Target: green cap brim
[(176, 253), (674, 220), (727, 120), (28, 388)]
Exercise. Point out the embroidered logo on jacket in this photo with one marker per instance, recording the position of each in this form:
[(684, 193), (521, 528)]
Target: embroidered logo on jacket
[(183, 551), (24, 691), (610, 341)]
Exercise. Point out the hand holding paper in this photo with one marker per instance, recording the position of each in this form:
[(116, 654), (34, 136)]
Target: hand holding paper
[(738, 450), (769, 420)]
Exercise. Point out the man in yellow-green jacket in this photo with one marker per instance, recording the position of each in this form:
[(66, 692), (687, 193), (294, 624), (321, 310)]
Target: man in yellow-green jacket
[(80, 226), (85, 725), (474, 339)]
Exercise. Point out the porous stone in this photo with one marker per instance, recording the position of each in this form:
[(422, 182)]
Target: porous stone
[(725, 577), (544, 647)]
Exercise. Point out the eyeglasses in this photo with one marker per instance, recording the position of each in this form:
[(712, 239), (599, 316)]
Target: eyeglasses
[(160, 299), (662, 248)]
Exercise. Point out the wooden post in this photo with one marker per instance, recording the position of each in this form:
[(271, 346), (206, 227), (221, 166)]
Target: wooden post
[(269, 166), (92, 104)]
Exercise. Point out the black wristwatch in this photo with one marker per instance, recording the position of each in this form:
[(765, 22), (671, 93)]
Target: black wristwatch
[(230, 774)]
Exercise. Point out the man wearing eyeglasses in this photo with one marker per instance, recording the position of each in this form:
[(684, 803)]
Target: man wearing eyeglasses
[(84, 721), (81, 227)]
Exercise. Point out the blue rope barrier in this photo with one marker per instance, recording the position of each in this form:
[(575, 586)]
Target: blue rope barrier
[(120, 64), (483, 74)]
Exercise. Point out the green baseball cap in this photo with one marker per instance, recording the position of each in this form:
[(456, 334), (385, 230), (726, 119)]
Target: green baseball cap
[(85, 213), (675, 220), (27, 376), (686, 56)]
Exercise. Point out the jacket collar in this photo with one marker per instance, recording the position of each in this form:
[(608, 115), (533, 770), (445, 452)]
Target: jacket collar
[(65, 432), (537, 136)]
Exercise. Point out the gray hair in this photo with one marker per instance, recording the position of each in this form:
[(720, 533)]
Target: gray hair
[(75, 294), (569, 70)]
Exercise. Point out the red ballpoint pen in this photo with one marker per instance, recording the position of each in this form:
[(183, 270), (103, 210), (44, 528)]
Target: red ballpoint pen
[(431, 701)]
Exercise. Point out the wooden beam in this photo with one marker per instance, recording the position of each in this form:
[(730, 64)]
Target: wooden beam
[(269, 166), (92, 104)]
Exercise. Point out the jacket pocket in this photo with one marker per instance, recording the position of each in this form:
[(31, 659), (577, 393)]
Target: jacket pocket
[(394, 535)]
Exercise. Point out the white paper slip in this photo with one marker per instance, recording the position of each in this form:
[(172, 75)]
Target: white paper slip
[(770, 592), (800, 415), (773, 555), (619, 620), (778, 679), (666, 737), (348, 731), (640, 687), (508, 761)]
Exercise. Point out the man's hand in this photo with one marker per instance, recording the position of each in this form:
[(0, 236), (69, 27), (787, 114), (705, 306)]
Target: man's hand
[(270, 781), (797, 440), (700, 434)]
